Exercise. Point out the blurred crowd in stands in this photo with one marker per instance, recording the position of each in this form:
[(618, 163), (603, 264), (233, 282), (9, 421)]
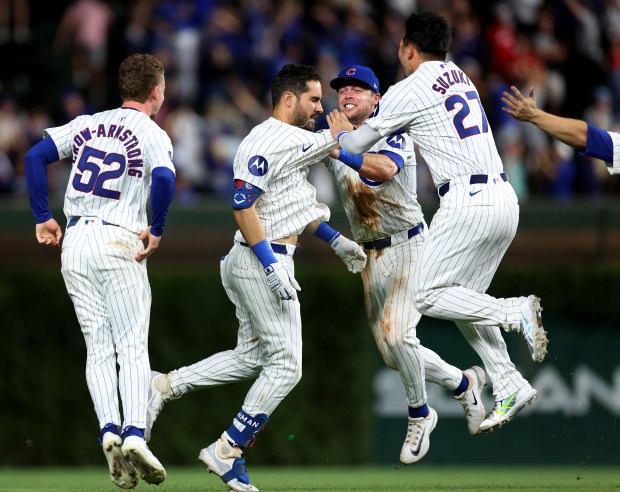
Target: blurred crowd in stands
[(60, 60)]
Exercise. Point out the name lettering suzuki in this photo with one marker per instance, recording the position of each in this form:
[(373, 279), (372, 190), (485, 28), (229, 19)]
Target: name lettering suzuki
[(448, 79)]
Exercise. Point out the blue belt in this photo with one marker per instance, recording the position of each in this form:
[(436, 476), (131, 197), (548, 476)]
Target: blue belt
[(75, 220), (277, 247), (387, 241), (473, 179)]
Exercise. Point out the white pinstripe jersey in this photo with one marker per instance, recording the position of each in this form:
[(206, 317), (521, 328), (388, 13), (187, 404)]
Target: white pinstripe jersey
[(275, 157), (113, 154), (440, 109), (378, 209), (615, 165)]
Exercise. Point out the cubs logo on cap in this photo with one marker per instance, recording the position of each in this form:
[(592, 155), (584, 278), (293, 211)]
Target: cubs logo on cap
[(358, 73)]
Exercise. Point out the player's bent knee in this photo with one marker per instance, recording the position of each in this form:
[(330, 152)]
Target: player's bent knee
[(422, 303)]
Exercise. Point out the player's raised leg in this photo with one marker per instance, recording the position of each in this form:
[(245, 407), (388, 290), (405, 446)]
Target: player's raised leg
[(531, 327), (511, 391)]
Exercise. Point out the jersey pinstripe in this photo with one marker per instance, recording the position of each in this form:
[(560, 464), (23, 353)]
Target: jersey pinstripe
[(440, 109), (379, 209), (113, 154), (615, 138), (275, 157), (112, 299)]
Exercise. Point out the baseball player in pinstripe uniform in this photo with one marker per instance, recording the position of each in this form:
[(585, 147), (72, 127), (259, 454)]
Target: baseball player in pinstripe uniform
[(439, 107), (273, 203), (379, 199), (585, 137), (118, 158)]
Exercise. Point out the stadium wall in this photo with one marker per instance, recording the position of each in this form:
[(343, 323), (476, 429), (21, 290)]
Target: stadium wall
[(347, 408)]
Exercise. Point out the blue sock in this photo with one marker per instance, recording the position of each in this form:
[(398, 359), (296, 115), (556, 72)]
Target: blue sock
[(113, 428), (244, 428), (462, 387), (131, 430), (109, 427), (419, 412)]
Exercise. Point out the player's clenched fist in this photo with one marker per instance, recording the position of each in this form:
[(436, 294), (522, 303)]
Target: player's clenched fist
[(351, 253), (281, 283)]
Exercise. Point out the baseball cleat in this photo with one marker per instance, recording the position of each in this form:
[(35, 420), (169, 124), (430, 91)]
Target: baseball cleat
[(471, 401), (504, 410), (159, 393), (532, 329), (227, 461), (122, 472), (417, 442), (151, 470)]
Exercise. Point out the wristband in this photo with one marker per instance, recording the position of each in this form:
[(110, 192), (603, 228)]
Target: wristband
[(326, 233), (264, 253), (354, 161)]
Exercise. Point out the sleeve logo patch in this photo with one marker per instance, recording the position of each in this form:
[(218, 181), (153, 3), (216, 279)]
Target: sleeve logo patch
[(257, 165), (396, 141)]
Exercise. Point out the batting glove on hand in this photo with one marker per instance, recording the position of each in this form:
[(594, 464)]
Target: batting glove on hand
[(351, 253), (281, 283)]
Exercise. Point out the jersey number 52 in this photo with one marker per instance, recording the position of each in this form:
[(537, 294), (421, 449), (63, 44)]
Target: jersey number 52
[(89, 178)]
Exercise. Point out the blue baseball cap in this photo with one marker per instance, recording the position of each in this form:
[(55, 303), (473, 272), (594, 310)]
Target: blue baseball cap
[(356, 72)]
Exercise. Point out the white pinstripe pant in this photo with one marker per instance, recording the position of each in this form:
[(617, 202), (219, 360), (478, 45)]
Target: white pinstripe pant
[(269, 344), (388, 290), (112, 299), (468, 237)]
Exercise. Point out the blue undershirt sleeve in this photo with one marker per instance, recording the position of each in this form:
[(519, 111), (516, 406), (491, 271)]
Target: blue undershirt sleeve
[(36, 161), (397, 158), (162, 189), (599, 144)]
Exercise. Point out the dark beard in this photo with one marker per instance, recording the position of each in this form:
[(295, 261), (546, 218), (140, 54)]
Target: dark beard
[(301, 120)]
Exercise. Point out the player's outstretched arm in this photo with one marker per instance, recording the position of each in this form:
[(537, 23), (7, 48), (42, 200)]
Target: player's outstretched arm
[(351, 253), (567, 130), (354, 142), (49, 232)]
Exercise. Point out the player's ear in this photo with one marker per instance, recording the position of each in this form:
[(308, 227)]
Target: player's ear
[(288, 99), (153, 94)]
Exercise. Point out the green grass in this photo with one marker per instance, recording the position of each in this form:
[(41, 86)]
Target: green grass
[(421, 478)]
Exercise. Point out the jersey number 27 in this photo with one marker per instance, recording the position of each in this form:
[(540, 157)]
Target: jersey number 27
[(464, 112)]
